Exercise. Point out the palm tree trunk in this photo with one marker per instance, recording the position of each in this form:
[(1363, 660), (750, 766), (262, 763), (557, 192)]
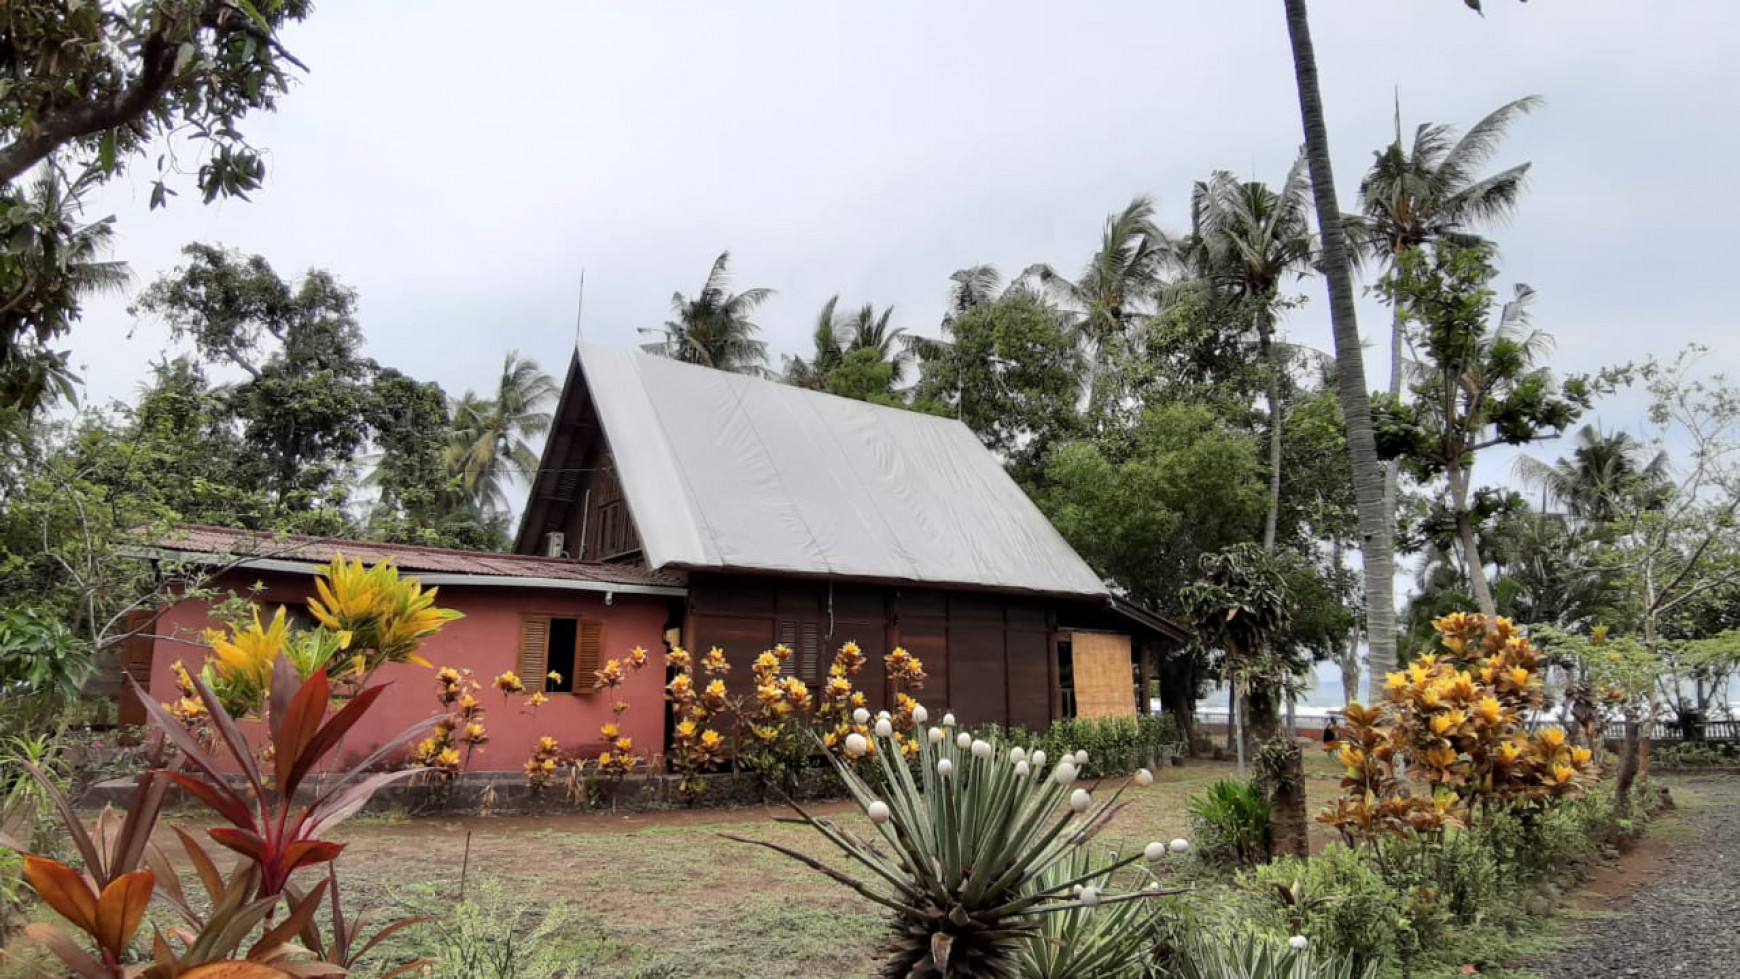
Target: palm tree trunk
[(1393, 468), (1377, 531), (1472, 562), (1271, 355)]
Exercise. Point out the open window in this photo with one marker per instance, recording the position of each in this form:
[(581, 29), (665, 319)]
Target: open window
[(560, 655)]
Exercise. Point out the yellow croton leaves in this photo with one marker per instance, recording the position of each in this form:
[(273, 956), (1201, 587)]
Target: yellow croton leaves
[(367, 616), (377, 609), (1459, 720)]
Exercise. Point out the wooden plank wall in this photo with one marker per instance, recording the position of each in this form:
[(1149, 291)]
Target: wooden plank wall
[(988, 657), (1102, 675)]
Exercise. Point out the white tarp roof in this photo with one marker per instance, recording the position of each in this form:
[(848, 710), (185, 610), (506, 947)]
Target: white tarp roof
[(722, 470)]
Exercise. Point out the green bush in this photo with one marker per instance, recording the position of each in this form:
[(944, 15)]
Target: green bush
[(1694, 754), (1115, 745), (1230, 821), (1349, 909)]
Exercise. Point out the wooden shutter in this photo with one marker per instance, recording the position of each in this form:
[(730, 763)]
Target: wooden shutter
[(788, 637), (588, 656), (534, 661), (809, 655)]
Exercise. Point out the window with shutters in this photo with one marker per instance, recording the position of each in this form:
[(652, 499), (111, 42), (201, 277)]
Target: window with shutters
[(560, 655), (805, 640)]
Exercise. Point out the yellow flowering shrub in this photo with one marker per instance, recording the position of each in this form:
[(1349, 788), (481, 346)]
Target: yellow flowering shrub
[(459, 733), (618, 757), (694, 745), (1452, 735)]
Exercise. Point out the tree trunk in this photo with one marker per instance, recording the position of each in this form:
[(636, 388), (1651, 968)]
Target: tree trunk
[(1628, 756), (1377, 531), (1349, 659), (1393, 468), (1262, 711), (1178, 675), (1350, 668), (1265, 334), (1471, 560), (1281, 774)]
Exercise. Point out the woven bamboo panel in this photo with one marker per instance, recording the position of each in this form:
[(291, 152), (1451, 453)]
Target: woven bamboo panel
[(1102, 675)]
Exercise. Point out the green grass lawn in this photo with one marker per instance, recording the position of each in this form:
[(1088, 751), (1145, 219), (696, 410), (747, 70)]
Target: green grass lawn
[(664, 894)]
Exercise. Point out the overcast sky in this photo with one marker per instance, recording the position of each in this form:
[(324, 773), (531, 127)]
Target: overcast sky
[(461, 169)]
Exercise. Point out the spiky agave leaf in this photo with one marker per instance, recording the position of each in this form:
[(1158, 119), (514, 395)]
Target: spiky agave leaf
[(973, 848)]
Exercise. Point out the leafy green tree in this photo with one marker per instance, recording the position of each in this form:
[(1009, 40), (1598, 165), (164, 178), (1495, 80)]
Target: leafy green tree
[(90, 86), (302, 407), (100, 80), (1011, 370), (864, 376), (1143, 507), (1247, 238), (1241, 603), (714, 328), (1427, 192), (1478, 382), (421, 500)]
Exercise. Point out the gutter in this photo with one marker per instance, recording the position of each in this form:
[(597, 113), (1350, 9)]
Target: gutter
[(433, 579)]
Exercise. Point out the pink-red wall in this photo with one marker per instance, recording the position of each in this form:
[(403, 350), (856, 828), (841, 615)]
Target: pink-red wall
[(486, 641)]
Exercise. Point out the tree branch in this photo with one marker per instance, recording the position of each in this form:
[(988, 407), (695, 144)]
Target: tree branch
[(82, 119)]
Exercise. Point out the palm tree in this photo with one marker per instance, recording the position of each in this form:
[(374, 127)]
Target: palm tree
[(1430, 192), (1377, 529), (970, 288), (1604, 476), (491, 442), (1116, 291), (829, 350), (868, 330), (1246, 238), (713, 329), (52, 266)]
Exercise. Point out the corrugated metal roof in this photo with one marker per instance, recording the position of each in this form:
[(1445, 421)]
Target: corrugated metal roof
[(227, 542), (731, 472)]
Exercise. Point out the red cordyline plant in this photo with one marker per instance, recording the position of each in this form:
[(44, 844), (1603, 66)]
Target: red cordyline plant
[(124, 870), (265, 825)]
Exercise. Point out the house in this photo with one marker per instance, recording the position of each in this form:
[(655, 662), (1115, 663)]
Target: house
[(578, 612), (681, 505), (802, 518)]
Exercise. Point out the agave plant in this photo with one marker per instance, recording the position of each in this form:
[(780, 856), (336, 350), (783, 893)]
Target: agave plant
[(1117, 942), (975, 844), (1254, 957)]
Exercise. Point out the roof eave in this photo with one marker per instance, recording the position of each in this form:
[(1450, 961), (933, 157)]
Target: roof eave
[(432, 579)]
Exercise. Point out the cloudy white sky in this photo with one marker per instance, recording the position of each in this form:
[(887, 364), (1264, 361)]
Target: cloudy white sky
[(461, 168)]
